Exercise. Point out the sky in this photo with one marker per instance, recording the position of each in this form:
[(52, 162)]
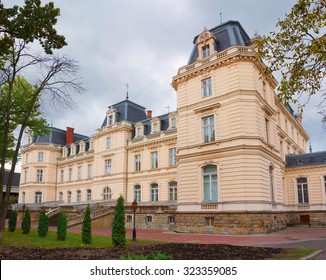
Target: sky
[(143, 43)]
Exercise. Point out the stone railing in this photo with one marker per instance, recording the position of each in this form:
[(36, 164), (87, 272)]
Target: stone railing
[(96, 213), (209, 206), (303, 207), (53, 212)]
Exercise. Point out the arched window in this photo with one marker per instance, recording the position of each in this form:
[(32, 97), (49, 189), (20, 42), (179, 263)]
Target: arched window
[(302, 188), (271, 182), (60, 196), (69, 197), (173, 190), (89, 195), (107, 193), (137, 193), (154, 192), (78, 196), (210, 182)]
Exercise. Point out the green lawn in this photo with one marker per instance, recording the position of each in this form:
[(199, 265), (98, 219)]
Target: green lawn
[(18, 239)]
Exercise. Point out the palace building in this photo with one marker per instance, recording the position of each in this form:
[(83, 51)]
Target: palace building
[(231, 158)]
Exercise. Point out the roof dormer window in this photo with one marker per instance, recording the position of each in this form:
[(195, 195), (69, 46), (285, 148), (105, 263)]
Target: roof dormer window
[(172, 121), (206, 51), (139, 130), (155, 125), (111, 116)]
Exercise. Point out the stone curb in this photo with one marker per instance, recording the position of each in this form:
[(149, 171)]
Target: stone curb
[(309, 257)]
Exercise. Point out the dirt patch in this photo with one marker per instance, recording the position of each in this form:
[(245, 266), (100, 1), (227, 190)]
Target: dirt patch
[(178, 251)]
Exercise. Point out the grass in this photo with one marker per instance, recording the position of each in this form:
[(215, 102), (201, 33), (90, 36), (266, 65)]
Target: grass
[(296, 253), (73, 240), (153, 256)]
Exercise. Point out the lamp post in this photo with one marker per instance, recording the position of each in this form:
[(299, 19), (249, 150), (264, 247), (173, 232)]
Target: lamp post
[(134, 206)]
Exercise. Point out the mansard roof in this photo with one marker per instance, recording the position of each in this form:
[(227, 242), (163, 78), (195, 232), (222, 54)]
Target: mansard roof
[(56, 136), (311, 159), (227, 34), (127, 111)]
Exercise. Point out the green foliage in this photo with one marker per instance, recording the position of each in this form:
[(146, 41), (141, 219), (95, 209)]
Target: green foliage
[(153, 256), (118, 228), (12, 221), (43, 224), (298, 51), (62, 226), (87, 226), (26, 224)]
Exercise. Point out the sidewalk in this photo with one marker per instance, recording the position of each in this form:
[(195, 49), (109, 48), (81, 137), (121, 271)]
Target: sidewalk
[(290, 235)]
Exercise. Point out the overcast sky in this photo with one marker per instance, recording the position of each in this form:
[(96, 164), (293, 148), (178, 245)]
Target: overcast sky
[(143, 43)]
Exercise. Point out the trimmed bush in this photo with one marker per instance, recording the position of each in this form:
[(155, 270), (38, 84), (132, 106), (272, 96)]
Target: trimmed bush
[(43, 224), (118, 228), (12, 221), (62, 226), (26, 224), (87, 226)]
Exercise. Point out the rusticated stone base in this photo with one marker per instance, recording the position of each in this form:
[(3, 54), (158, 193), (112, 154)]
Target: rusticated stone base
[(310, 218), (231, 223)]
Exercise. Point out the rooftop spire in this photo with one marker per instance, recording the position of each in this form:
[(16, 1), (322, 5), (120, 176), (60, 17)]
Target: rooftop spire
[(127, 95)]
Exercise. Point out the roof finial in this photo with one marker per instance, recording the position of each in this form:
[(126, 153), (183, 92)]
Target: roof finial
[(168, 107), (221, 18), (310, 147), (127, 86)]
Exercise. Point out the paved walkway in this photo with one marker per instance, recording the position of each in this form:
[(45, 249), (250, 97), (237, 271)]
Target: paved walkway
[(282, 238)]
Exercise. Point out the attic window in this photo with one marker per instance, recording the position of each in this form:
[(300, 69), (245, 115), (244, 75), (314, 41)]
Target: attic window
[(206, 51)]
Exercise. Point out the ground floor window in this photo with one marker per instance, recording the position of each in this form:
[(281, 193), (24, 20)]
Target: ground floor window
[(210, 183), (137, 193), (78, 196), (173, 190), (209, 221), (154, 192), (302, 188), (107, 193), (89, 195), (38, 197), (171, 220)]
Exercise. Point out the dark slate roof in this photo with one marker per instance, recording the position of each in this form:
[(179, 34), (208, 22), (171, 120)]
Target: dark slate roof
[(16, 178), (128, 111), (227, 34), (293, 160), (56, 136), (147, 123)]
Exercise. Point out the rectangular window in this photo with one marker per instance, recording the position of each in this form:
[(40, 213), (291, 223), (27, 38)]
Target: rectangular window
[(173, 123), (302, 187), (210, 183), (89, 171), (173, 191), (139, 132), (129, 218), (173, 155), (154, 160), (137, 193), (325, 184), (208, 129), (271, 182), (209, 221), (39, 175), (149, 219), (154, 192), (78, 196), (38, 197), (61, 176), (155, 128), (40, 156), (108, 143), (79, 172), (60, 196), (206, 51), (171, 220), (25, 176), (267, 129), (70, 174), (110, 120), (137, 163), (107, 166), (206, 87), (69, 197)]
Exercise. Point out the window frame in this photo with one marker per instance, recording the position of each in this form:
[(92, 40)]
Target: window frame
[(212, 189), (39, 175), (206, 51), (107, 166), (88, 195), (40, 156), (137, 193), (154, 192), (173, 157), (271, 182), (208, 130), (138, 162), (173, 191), (206, 87), (154, 160), (302, 190), (107, 193), (38, 197)]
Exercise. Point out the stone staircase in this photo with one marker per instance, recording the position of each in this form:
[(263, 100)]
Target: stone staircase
[(95, 214)]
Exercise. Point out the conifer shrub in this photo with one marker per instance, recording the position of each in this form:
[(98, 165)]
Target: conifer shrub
[(43, 224), (62, 226), (87, 226), (12, 221), (26, 224), (118, 228)]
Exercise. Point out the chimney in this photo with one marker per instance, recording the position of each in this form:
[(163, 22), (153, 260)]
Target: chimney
[(149, 114), (69, 135)]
